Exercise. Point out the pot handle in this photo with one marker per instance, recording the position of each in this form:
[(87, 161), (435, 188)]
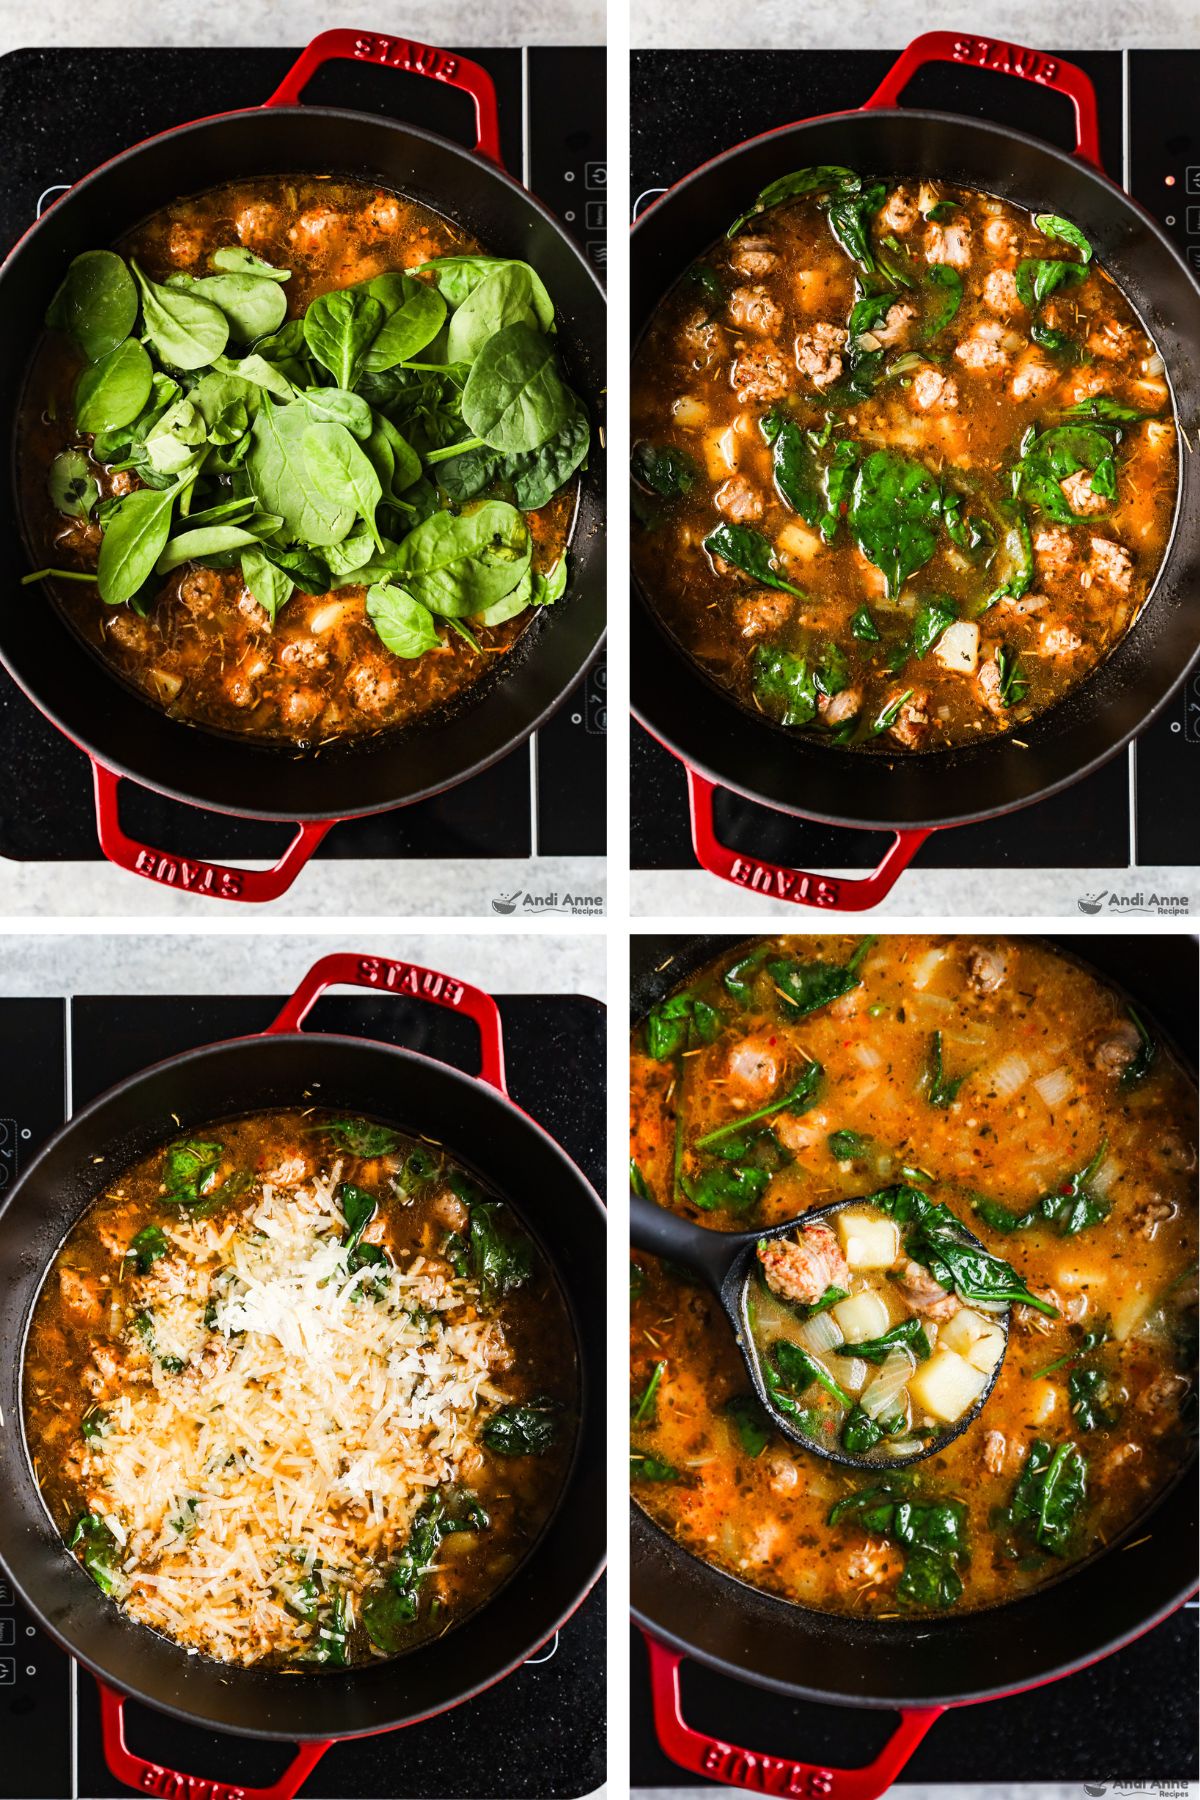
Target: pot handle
[(1052, 72), (856, 894), (721, 1761), (152, 1778), (217, 880), (414, 59), (346, 969)]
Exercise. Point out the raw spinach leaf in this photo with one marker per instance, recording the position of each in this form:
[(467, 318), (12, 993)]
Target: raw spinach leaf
[(96, 304), (135, 532), (270, 585), (341, 472), (505, 297), (186, 331), (339, 328), (460, 566), (527, 1428), (1052, 225), (537, 475), (414, 313), (234, 259), (101, 1553), (209, 540), (112, 392), (72, 487), (945, 276), (337, 406), (254, 304), (514, 398), (279, 472), (405, 627)]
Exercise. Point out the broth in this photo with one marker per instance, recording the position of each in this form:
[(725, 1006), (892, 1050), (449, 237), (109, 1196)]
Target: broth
[(995, 1078)]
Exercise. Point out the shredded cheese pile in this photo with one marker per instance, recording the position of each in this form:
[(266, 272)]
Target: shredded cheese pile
[(307, 1424)]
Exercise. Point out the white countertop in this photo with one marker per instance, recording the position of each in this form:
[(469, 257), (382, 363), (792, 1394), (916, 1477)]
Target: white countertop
[(138, 962), (174, 24), (872, 24)]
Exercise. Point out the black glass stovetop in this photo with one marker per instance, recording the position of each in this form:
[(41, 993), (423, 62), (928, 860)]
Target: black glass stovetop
[(541, 1732), (62, 112), (688, 106)]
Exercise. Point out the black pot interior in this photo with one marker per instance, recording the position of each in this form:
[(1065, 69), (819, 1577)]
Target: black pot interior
[(514, 1156), (1091, 1609), (90, 703), (786, 770)]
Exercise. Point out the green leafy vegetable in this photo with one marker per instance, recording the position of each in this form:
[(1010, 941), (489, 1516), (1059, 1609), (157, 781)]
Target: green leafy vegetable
[(752, 1424), (145, 1248), (728, 1187), (1069, 1208), (797, 1099), (663, 469), (785, 685), (405, 626), (682, 1021), (101, 1554), (910, 1333), (827, 178), (894, 513), (932, 1532), (1051, 225), (339, 329), (460, 566), (72, 487), (796, 1371), (1049, 1499), (1051, 456), (644, 1407), (186, 331), (97, 303), (939, 1089), (944, 275), (113, 391), (514, 398), (645, 1466), (933, 617), (502, 1257), (389, 1611), (361, 1137), (1143, 1062), (805, 987), (528, 1428), (937, 1240), (863, 627), (189, 1171), (748, 550)]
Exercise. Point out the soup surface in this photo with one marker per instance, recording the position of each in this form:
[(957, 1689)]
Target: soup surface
[(992, 1078), (299, 1392), (904, 461), (337, 551)]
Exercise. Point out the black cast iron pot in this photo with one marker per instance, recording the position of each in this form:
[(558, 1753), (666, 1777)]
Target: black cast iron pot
[(125, 736), (920, 1667), (476, 1118), (719, 742)]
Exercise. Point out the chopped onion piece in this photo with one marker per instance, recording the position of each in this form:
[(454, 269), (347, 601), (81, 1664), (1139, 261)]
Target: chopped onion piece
[(1054, 1087), (925, 968), (852, 1374), (1009, 1076), (1109, 1171), (906, 1447), (879, 1398), (820, 1334), (866, 1056)]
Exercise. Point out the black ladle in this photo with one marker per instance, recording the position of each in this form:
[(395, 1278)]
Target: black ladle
[(725, 1261)]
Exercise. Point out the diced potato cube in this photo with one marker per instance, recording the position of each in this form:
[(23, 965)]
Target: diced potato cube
[(797, 542), (721, 453), (946, 1386), (1128, 1315), (987, 1350), (868, 1243), (958, 647), (963, 1329), (863, 1316), (689, 414)]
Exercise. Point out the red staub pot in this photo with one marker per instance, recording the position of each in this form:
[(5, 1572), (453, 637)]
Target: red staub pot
[(723, 745), (281, 1067), (122, 734)]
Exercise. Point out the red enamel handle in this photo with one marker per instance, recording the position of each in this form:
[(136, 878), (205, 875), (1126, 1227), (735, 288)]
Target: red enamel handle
[(1052, 72), (721, 1761), (838, 893), (414, 59), (347, 970), (217, 880), (152, 1778)]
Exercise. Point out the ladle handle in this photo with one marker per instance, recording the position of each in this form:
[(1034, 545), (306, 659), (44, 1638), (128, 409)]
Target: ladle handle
[(709, 1254)]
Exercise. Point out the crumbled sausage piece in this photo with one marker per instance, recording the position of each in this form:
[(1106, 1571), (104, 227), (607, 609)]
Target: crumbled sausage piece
[(81, 1296), (900, 214), (752, 1068), (802, 1268), (932, 391), (988, 686), (1000, 293), (1028, 1318), (1032, 378), (923, 1295), (184, 243), (762, 614), (1175, 1153), (984, 350), (818, 353), (895, 326), (754, 256), (986, 969), (738, 499), (912, 721), (1111, 340), (1056, 554), (1080, 495), (994, 1446), (1112, 564), (754, 310), (949, 243), (1057, 640), (760, 374), (1115, 1051), (1151, 1214), (836, 709), (999, 237)]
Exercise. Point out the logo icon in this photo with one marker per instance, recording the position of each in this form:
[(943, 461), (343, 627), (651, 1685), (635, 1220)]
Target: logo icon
[(507, 903), (1091, 903)]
